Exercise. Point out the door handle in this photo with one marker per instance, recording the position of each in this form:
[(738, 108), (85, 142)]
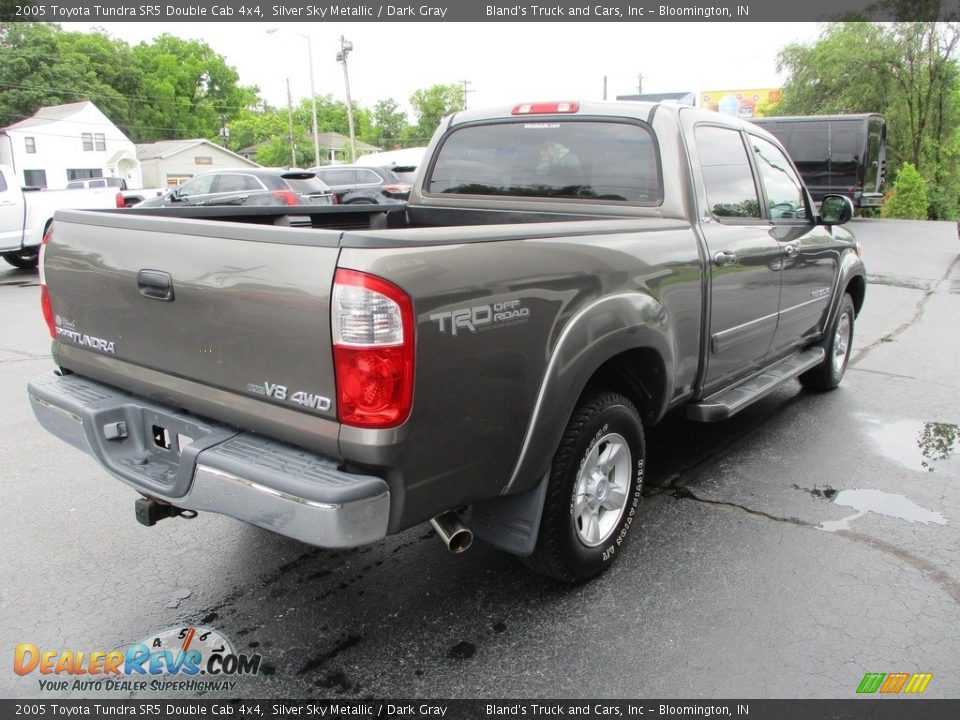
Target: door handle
[(155, 284), (725, 258), (791, 250)]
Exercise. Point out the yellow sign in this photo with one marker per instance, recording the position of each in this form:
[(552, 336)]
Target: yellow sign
[(740, 103)]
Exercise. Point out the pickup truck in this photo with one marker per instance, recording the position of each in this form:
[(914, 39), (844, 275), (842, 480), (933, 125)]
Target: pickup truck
[(486, 357), (26, 214)]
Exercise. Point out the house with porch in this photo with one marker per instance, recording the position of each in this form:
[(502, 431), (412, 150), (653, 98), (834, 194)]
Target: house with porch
[(68, 142)]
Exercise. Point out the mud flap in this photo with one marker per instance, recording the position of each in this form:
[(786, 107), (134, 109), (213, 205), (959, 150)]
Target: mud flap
[(511, 522)]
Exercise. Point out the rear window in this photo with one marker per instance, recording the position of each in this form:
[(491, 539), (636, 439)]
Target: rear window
[(309, 186), (580, 160)]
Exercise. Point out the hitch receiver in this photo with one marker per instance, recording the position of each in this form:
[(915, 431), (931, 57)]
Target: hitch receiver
[(150, 511)]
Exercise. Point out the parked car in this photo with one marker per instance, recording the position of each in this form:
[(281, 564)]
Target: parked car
[(99, 182), (131, 196), (355, 184), (248, 186)]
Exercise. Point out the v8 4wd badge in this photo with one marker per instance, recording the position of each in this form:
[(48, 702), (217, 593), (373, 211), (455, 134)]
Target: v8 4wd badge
[(300, 397)]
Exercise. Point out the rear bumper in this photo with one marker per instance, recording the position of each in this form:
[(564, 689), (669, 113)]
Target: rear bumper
[(198, 465)]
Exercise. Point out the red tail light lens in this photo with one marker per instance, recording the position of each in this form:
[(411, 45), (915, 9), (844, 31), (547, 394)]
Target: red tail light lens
[(289, 197), (45, 305), (373, 336), (396, 189), (120, 201)]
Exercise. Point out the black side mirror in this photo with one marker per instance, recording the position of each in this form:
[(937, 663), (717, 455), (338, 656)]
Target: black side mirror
[(835, 210)]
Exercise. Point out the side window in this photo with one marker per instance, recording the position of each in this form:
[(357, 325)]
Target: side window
[(3, 183), (368, 177), (229, 182), (785, 198), (197, 186), (731, 191)]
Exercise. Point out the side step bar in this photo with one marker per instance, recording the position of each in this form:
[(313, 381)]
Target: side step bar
[(732, 400)]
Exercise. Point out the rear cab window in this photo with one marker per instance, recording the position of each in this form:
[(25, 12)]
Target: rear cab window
[(590, 160)]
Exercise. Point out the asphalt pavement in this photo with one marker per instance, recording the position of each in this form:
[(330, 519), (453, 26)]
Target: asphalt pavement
[(786, 552)]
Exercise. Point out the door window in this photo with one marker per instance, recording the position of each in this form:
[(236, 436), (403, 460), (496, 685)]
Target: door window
[(784, 191), (197, 186), (727, 177)]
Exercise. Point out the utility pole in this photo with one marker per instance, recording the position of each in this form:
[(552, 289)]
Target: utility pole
[(293, 147), (604, 87), (345, 48), (465, 91), (639, 84)]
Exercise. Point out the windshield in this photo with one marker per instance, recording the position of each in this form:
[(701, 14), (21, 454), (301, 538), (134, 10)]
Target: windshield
[(586, 160)]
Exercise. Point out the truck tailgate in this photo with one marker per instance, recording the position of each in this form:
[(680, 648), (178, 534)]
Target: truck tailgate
[(200, 315)]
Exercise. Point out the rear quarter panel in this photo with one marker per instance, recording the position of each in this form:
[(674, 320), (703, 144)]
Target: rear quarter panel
[(477, 384)]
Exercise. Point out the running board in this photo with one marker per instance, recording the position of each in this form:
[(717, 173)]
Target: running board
[(732, 400)]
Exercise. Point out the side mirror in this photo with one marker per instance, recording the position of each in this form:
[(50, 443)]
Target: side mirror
[(835, 210)]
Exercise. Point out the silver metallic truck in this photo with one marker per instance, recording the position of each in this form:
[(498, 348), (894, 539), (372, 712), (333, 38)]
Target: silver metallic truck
[(485, 357)]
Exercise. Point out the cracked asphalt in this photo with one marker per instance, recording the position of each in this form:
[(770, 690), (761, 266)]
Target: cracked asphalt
[(784, 553)]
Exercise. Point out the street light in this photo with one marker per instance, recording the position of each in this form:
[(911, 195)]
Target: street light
[(346, 47), (313, 93)]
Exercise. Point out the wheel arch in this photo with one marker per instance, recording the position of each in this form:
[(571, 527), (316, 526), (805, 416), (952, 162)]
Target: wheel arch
[(622, 343)]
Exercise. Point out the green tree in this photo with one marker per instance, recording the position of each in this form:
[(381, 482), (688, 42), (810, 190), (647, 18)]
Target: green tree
[(388, 124), (909, 198), (41, 65), (431, 105), (190, 90), (905, 70)]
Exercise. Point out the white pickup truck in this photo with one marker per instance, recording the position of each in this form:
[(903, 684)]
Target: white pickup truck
[(26, 214)]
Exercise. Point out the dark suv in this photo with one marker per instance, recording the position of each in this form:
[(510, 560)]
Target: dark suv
[(249, 186), (362, 184)]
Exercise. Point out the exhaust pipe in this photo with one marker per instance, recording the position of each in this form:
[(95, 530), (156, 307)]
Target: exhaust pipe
[(454, 534)]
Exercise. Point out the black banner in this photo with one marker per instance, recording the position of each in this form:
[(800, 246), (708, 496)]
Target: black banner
[(854, 709), (639, 11)]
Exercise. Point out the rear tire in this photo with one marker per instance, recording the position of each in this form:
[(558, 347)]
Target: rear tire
[(593, 492), (24, 259), (837, 344)]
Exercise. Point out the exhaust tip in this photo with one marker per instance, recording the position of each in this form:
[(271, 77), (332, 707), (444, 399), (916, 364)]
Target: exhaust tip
[(452, 532)]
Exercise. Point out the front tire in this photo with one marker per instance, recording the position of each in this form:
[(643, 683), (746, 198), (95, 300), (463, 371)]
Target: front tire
[(593, 492), (24, 259), (837, 344)]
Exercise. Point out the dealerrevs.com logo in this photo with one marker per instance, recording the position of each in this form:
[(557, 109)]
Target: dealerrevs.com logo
[(186, 659)]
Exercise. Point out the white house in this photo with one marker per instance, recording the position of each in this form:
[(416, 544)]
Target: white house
[(68, 142), (169, 163)]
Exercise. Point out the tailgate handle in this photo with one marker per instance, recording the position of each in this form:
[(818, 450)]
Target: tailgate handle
[(155, 284)]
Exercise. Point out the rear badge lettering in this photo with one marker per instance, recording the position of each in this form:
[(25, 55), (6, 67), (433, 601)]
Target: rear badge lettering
[(84, 340), (299, 397)]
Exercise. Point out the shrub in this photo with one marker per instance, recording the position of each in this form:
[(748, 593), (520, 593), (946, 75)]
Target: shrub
[(909, 198)]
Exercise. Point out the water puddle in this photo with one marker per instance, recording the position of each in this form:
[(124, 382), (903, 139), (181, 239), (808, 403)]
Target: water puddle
[(881, 503), (916, 445)]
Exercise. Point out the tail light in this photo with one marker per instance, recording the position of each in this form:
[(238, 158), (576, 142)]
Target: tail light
[(334, 200), (120, 201), (45, 305), (373, 337), (396, 189), (289, 197)]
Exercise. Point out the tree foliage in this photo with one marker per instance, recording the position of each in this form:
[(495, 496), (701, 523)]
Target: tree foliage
[(907, 71), (909, 198), (431, 105), (166, 89), (172, 88)]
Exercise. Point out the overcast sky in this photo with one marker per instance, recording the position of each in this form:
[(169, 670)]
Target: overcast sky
[(504, 62)]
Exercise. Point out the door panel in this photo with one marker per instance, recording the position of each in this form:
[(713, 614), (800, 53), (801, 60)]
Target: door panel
[(744, 259)]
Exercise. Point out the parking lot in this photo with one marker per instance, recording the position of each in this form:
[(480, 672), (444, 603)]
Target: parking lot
[(784, 553)]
